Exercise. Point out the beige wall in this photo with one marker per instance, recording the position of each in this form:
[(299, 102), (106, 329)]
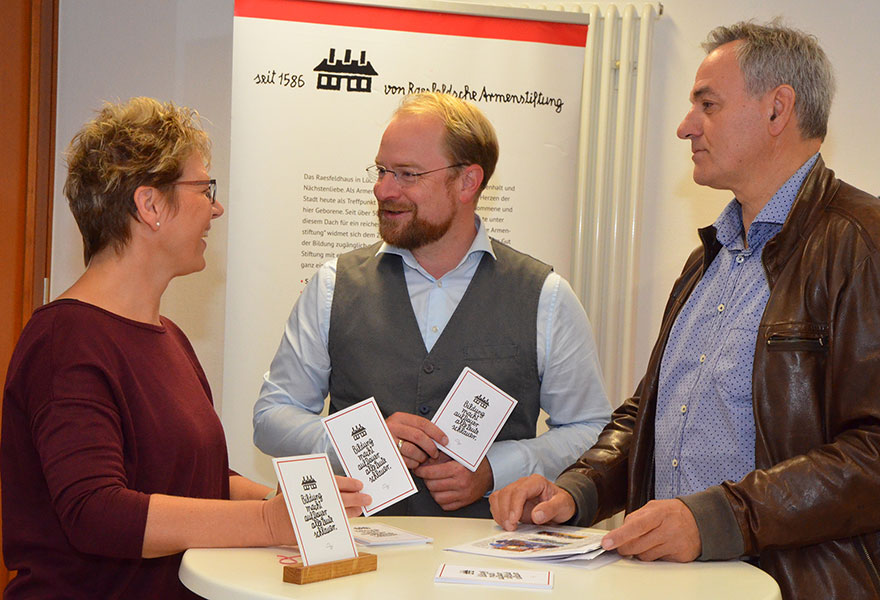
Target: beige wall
[(179, 50), (182, 50)]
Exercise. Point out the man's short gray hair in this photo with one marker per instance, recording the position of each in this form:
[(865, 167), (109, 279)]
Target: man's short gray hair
[(772, 55)]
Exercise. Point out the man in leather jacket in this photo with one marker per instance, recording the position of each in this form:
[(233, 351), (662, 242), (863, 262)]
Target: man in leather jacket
[(755, 431)]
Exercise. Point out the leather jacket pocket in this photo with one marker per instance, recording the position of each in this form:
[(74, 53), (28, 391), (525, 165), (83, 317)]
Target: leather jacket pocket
[(797, 337)]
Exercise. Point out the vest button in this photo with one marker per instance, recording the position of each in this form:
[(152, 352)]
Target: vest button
[(424, 409), (428, 367)]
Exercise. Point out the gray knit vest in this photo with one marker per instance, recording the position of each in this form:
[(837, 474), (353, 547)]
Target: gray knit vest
[(376, 348)]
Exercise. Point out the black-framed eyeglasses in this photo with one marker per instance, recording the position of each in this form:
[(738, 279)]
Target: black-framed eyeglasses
[(211, 192), (403, 178)]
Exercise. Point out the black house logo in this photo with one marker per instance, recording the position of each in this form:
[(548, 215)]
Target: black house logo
[(480, 400), (356, 75)]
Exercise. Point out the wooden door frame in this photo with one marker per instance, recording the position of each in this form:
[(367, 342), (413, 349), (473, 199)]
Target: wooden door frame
[(28, 78)]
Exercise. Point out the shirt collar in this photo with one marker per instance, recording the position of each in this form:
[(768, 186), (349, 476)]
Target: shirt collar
[(780, 204), (481, 243), (729, 225)]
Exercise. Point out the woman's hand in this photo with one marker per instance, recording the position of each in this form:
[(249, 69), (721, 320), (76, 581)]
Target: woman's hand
[(276, 519), (352, 498)]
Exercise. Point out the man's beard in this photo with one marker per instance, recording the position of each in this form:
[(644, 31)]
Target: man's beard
[(413, 234)]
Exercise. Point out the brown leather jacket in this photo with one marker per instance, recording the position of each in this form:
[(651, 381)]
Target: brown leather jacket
[(811, 509)]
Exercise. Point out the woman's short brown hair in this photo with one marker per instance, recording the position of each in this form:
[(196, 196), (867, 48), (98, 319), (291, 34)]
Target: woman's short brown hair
[(127, 145)]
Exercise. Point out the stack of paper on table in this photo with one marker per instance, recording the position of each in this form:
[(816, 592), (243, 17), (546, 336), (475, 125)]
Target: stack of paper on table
[(380, 534), (539, 543)]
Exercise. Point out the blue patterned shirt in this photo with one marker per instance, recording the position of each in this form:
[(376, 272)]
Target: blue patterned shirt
[(704, 426)]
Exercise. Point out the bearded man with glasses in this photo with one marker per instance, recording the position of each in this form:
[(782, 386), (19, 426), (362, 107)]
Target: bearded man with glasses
[(399, 320)]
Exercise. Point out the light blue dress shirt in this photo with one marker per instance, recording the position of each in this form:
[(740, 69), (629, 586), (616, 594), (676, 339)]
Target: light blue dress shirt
[(704, 425), (287, 414)]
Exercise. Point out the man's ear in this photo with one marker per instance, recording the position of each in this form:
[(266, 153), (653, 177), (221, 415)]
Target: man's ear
[(471, 179), (781, 109), (146, 201)]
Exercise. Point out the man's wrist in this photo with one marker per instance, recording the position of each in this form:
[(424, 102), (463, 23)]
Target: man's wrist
[(508, 462), (487, 477), (585, 495)]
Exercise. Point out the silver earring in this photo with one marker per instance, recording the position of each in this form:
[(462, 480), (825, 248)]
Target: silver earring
[(157, 223)]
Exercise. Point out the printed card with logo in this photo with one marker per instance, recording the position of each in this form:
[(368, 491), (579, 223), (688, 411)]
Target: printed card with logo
[(315, 508), (542, 580), (368, 453), (472, 415)]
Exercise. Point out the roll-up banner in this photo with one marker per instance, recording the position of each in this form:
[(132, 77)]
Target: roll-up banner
[(315, 83)]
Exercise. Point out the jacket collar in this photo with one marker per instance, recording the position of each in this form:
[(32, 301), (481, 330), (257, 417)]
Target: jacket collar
[(812, 200), (814, 196)]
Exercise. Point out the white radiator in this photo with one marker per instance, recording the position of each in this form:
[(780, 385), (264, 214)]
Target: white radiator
[(617, 69)]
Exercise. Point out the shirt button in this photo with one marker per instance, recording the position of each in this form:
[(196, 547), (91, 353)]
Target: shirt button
[(435, 329), (684, 408), (702, 358), (740, 259), (674, 463), (439, 284), (424, 409), (720, 307)]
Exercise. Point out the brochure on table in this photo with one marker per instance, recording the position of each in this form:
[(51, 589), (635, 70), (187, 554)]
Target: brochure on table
[(472, 415), (536, 542), (315, 507), (367, 451), (380, 534)]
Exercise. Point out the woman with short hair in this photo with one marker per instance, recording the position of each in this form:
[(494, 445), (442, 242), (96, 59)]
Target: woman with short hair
[(113, 459)]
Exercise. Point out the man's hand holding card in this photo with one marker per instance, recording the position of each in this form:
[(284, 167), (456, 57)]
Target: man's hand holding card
[(416, 437), (367, 451), (452, 485), (471, 417)]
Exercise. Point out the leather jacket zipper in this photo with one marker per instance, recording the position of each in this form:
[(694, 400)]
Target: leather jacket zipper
[(875, 575), (784, 341)]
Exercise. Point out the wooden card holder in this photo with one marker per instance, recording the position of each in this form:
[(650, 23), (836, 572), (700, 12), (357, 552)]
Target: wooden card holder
[(301, 574)]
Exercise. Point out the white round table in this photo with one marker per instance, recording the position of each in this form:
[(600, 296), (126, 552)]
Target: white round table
[(407, 572)]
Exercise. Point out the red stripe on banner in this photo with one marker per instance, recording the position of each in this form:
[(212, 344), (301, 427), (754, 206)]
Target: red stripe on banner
[(399, 19)]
